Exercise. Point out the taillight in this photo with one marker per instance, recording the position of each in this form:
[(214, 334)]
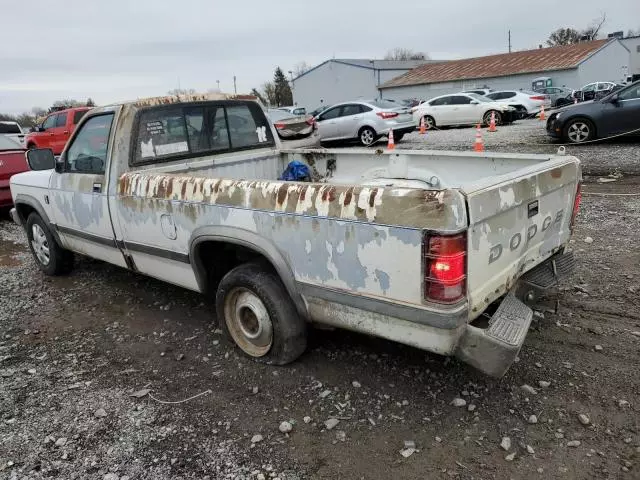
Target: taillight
[(279, 126), (445, 267), (576, 205), (387, 115), (538, 97)]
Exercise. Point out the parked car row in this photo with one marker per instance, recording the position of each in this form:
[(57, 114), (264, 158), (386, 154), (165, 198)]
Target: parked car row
[(614, 114)]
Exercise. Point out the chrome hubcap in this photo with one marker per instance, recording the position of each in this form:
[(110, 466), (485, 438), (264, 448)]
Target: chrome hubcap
[(248, 322), (40, 244), (367, 137), (578, 132), (429, 122)]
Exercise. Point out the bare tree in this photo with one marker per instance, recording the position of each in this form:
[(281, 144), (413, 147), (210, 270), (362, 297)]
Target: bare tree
[(593, 30), (569, 36), (405, 54), (269, 93), (633, 33), (300, 68)]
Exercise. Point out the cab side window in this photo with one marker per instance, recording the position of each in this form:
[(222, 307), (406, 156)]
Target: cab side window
[(50, 122), (88, 150), (61, 120), (329, 114)]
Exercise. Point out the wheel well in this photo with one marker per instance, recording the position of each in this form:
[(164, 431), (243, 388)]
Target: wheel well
[(24, 210), (366, 126), (217, 258)]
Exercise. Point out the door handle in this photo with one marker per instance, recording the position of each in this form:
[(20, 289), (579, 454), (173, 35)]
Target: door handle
[(97, 187), (66, 132), (51, 134)]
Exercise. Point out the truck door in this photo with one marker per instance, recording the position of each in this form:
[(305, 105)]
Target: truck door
[(79, 193), (60, 133)]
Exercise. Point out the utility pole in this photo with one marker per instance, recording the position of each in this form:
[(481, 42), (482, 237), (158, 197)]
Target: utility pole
[(218, 82), (509, 41), (235, 89)]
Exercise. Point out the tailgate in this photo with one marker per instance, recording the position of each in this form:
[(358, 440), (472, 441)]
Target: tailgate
[(515, 225)]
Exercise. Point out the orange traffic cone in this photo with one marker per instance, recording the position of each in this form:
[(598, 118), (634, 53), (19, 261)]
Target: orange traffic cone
[(492, 123), (423, 126), (391, 145), (542, 116), (478, 146)]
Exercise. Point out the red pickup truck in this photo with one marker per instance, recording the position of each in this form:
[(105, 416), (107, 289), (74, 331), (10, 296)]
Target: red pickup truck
[(54, 131), (12, 161)]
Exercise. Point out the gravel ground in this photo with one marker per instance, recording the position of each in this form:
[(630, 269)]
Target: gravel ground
[(74, 349), (529, 136)]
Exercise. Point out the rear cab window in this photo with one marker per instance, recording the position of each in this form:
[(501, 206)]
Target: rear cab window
[(183, 131), (9, 128)]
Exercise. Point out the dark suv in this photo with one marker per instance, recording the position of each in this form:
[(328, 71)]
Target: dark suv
[(617, 113)]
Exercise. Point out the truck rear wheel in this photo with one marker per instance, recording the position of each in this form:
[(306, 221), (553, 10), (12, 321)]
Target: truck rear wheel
[(256, 312), (50, 257)]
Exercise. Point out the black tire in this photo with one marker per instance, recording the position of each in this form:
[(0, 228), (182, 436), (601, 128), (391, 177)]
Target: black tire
[(579, 130), (487, 117), (239, 315), (397, 137), (31, 146), (60, 260), (429, 122), (367, 136)]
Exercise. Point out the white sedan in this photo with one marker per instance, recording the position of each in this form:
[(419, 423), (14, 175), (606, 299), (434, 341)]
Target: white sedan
[(527, 103), (462, 109)]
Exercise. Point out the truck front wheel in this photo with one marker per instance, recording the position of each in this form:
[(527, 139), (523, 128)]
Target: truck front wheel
[(256, 312), (50, 257)]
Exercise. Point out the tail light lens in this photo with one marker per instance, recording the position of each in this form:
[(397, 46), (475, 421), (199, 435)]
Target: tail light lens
[(279, 126), (445, 267), (576, 204), (387, 115), (538, 97)]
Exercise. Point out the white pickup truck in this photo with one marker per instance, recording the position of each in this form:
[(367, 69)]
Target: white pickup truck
[(439, 250)]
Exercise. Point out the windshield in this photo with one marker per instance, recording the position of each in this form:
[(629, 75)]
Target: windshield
[(480, 98)]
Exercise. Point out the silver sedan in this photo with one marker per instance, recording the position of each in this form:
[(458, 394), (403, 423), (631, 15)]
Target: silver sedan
[(365, 121)]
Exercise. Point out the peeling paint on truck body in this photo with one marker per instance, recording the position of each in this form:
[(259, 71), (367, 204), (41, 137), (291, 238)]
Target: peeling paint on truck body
[(348, 245)]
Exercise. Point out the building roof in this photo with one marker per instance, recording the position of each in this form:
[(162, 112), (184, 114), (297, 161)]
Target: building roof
[(373, 64), (501, 65)]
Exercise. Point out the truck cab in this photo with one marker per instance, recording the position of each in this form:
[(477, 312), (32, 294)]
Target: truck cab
[(55, 129)]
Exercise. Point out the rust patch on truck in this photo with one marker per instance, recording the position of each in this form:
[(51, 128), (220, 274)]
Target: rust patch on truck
[(409, 207)]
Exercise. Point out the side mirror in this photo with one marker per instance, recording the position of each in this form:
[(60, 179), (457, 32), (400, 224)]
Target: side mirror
[(614, 98), (41, 159), (38, 128)]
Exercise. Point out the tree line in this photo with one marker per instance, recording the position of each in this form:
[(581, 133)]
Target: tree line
[(32, 118)]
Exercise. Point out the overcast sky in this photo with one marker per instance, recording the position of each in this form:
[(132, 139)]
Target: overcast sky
[(113, 50)]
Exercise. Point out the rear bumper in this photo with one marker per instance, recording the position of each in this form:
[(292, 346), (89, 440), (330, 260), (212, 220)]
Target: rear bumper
[(493, 349)]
